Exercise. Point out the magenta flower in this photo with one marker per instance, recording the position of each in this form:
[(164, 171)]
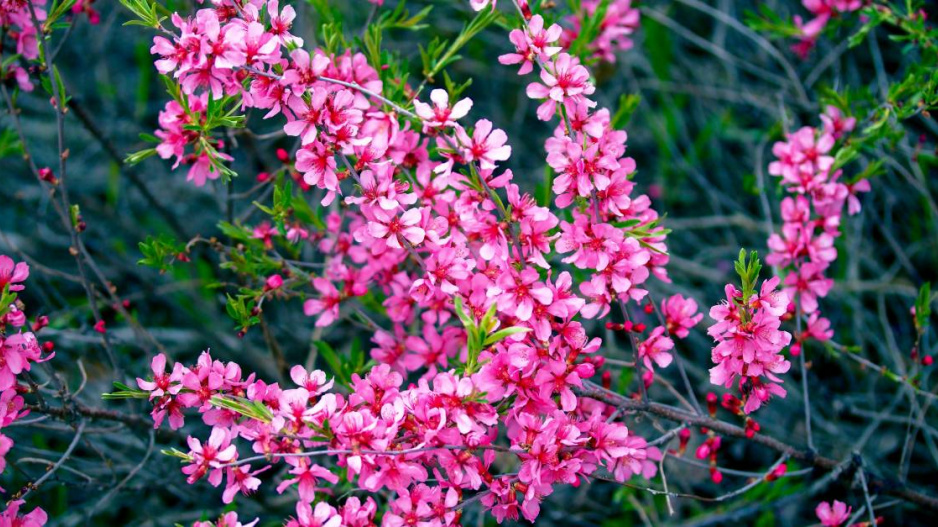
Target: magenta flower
[(11, 516), (833, 515), (655, 348), (317, 164), (487, 146), (751, 350), (12, 274), (680, 315), (162, 383), (515, 293), (326, 306), (394, 229), (307, 478), (532, 43), (207, 458), (565, 80), (441, 115), (240, 479), (281, 21), (306, 117), (324, 515)]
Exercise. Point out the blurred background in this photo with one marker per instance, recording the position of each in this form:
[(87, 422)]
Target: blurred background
[(709, 96)]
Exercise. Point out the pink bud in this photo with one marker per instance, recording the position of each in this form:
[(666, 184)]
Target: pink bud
[(41, 322), (99, 326), (273, 282)]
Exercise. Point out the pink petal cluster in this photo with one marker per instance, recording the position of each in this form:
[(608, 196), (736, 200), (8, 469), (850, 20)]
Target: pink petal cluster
[(749, 343), (833, 515), (620, 19), (384, 436), (823, 11), (680, 315), (175, 138), (228, 519), (532, 44), (19, 350), (429, 214), (812, 214), (18, 28)]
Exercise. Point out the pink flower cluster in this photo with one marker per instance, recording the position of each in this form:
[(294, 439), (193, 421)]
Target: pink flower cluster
[(431, 216), (833, 515), (620, 20), (174, 137), (823, 11), (17, 23), (19, 349), (593, 173), (384, 436), (749, 343), (811, 216)]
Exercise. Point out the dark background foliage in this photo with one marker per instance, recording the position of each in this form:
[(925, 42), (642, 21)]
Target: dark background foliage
[(713, 97)]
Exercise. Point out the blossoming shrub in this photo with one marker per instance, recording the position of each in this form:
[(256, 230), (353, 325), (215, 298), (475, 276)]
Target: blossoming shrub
[(392, 212)]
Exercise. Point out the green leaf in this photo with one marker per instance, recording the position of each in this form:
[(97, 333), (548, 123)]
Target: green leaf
[(246, 407), (335, 363), (461, 313), (159, 252), (504, 333), (923, 307), (628, 103), (122, 391)]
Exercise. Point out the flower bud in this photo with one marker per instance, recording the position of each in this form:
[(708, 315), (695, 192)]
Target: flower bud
[(274, 281), (777, 473), (46, 175), (41, 322), (716, 475)]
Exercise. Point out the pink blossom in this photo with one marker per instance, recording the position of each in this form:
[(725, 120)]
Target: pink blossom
[(567, 80), (487, 146), (833, 515), (441, 115), (307, 478), (680, 315), (655, 348), (396, 229), (326, 306), (324, 515), (12, 275), (517, 293), (207, 458)]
